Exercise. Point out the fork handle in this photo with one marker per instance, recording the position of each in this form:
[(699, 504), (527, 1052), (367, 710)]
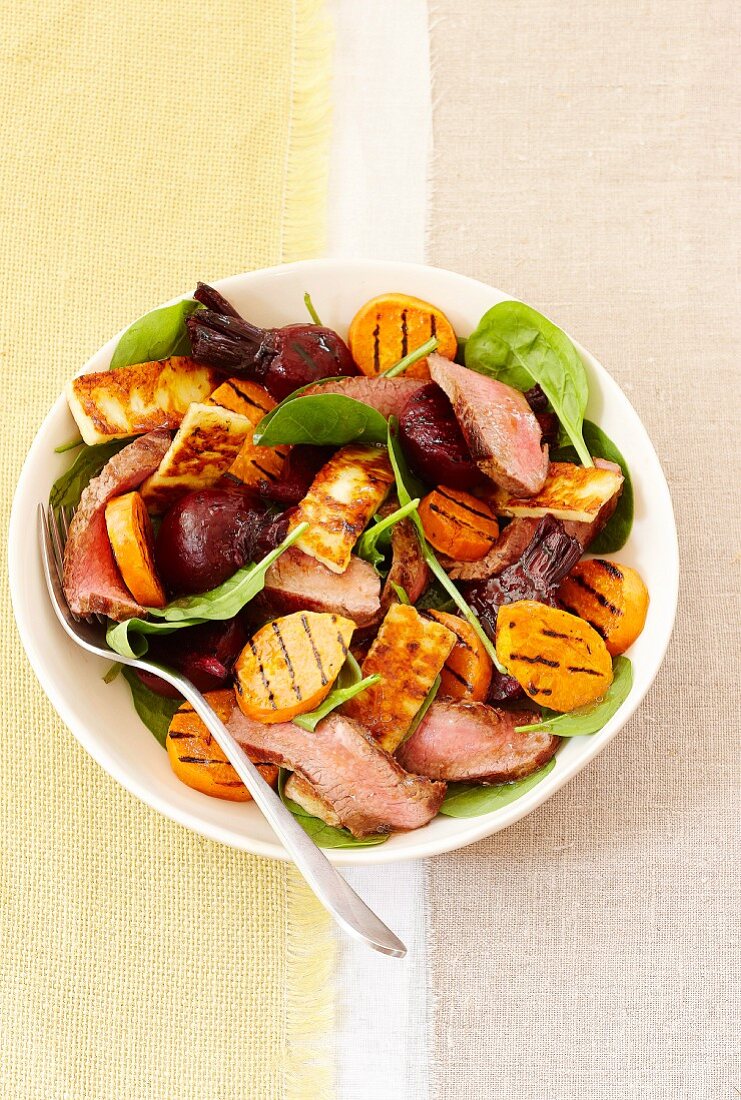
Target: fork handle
[(340, 900)]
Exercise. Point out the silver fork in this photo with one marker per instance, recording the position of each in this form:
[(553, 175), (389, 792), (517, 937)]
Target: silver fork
[(350, 911)]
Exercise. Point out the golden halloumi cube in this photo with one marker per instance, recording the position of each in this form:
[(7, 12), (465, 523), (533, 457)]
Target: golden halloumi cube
[(408, 653), (253, 464), (112, 404), (202, 451), (341, 500), (570, 492)]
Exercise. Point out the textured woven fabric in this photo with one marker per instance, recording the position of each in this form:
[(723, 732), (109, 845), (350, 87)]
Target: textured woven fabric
[(144, 146), (586, 161)]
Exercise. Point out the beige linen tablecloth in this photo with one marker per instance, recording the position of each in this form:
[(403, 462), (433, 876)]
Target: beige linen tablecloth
[(585, 160)]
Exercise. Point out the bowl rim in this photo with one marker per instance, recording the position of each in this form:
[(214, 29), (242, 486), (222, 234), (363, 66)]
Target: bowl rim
[(478, 827)]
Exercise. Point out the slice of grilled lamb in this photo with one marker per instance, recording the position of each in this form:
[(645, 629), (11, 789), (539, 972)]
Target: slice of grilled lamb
[(366, 788), (296, 582), (499, 426), (408, 568), (475, 742), (92, 581), (387, 395)]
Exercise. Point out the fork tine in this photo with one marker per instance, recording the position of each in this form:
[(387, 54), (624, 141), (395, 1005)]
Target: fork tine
[(56, 542), (66, 515)]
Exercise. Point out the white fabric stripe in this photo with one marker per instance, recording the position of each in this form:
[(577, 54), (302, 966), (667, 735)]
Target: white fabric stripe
[(382, 137)]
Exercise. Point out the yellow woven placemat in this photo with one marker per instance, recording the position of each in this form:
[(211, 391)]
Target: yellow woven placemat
[(146, 146)]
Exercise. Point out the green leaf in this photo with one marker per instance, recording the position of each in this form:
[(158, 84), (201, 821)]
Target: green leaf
[(67, 489), (323, 835), (402, 476), (519, 346), (113, 672), (155, 710), (349, 684), (370, 543), (460, 354), (429, 700), (310, 309), (413, 357), (435, 597), (71, 445), (156, 335), (323, 419), (474, 799), (223, 602), (615, 533), (401, 593), (593, 717)]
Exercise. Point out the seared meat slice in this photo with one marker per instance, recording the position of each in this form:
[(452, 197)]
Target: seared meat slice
[(508, 549), (300, 791), (387, 395), (92, 581), (408, 567), (296, 582), (472, 741), (365, 787), (544, 563), (498, 424)]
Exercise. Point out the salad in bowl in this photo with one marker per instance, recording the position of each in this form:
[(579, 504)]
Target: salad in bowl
[(392, 559)]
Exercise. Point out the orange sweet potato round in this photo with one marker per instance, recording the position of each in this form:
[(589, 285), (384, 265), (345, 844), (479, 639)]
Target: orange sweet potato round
[(288, 667), (612, 598), (557, 658), (388, 327), (467, 671), (198, 761), (130, 535), (457, 524)]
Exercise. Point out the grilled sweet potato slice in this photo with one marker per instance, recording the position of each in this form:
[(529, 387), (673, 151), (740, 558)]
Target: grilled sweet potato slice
[(387, 328), (132, 542), (198, 761), (289, 666), (612, 598), (557, 658), (457, 524), (253, 464), (467, 671)]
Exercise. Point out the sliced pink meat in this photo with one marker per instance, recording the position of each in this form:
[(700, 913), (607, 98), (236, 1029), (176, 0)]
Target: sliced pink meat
[(509, 547), (387, 395), (499, 426), (92, 581), (408, 568), (365, 787), (297, 582), (472, 741)]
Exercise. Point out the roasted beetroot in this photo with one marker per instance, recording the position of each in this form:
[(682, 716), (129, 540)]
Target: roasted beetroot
[(301, 467), (433, 443), (209, 534), (205, 654), (543, 564), (281, 359)]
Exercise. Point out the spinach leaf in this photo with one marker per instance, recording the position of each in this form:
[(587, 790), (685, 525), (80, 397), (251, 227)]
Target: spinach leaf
[(370, 543), (223, 602), (413, 357), (310, 309), (519, 346), (435, 596), (325, 836), (615, 533), (154, 710), (591, 718), (71, 445), (460, 354), (156, 335), (429, 700), (324, 419), (403, 477), (262, 425), (349, 683), (473, 799), (401, 593), (67, 489)]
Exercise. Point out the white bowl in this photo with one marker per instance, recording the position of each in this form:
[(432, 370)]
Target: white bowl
[(102, 717)]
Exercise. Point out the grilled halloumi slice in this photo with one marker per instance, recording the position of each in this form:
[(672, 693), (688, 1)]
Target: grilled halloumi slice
[(570, 492), (408, 653), (112, 404), (253, 464), (342, 498), (202, 451)]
